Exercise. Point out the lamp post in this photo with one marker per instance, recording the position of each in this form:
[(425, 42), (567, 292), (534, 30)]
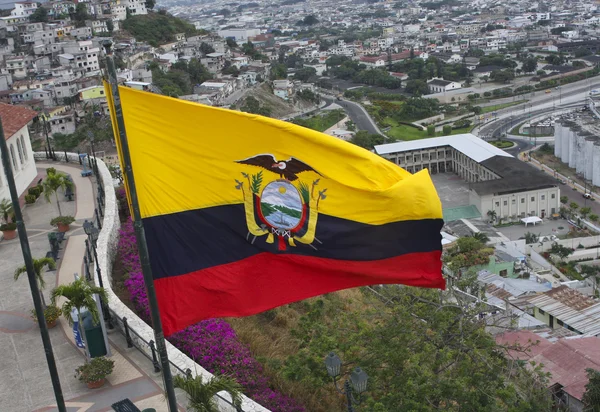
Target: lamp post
[(91, 137), (93, 233), (45, 124), (356, 383)]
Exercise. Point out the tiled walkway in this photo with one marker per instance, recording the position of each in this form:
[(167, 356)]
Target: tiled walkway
[(25, 382)]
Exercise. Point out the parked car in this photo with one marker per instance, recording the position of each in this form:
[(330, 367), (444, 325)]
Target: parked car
[(588, 196)]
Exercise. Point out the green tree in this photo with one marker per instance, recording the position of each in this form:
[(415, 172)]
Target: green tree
[(431, 130), (482, 237), (201, 394), (150, 4), (447, 130), (206, 48), (252, 105), (591, 397), (585, 211), (531, 238), (110, 26), (573, 207), (52, 183), (561, 251), (492, 215), (40, 15), (79, 295), (304, 74), (81, 14), (530, 65), (593, 218), (231, 43), (564, 200), (38, 265), (310, 20), (278, 71), (367, 140)]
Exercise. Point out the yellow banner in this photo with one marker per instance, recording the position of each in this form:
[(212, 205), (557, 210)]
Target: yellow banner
[(187, 156)]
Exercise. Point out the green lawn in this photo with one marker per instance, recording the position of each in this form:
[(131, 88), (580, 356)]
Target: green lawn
[(321, 122), (502, 144), (404, 132), (496, 107)]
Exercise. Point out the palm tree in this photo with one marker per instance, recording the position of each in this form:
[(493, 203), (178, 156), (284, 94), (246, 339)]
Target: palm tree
[(201, 394), (6, 209), (38, 265), (492, 215), (53, 182), (79, 294), (482, 237)]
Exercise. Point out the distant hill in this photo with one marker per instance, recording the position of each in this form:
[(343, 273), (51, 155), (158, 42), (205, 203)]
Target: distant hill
[(157, 28)]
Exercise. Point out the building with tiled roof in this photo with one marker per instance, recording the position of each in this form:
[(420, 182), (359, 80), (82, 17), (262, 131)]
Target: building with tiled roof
[(15, 121)]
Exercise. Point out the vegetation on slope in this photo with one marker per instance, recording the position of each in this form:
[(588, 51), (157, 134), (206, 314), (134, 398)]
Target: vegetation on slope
[(157, 28)]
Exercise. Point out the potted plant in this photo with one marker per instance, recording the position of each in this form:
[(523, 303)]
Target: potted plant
[(62, 222), (8, 228), (201, 393), (94, 373), (51, 314)]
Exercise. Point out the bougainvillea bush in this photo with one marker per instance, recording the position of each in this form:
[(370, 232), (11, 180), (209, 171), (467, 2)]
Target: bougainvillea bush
[(212, 343)]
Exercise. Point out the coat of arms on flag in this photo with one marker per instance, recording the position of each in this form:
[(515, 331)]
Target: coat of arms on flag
[(285, 209)]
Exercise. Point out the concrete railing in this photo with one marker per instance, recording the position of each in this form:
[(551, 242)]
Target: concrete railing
[(107, 244)]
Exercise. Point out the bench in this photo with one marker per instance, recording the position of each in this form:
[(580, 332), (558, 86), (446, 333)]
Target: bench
[(127, 406)]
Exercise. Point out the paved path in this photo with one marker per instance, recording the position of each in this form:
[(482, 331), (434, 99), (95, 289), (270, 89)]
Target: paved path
[(25, 382)]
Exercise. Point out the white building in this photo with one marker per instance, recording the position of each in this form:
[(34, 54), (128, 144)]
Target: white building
[(239, 35), (119, 8), (14, 121), (441, 85), (23, 9), (497, 181)]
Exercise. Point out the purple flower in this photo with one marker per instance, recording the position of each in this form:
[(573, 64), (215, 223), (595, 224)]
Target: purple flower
[(212, 343)]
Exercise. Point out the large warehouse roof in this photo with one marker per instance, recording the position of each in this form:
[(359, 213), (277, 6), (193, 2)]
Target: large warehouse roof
[(468, 144)]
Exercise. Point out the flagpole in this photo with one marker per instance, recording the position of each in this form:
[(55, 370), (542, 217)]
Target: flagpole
[(35, 291), (139, 232)]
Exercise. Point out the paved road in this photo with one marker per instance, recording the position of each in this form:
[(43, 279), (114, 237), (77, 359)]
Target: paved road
[(357, 114)]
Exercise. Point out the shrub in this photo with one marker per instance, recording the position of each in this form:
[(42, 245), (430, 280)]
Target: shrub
[(8, 226), (62, 220), (50, 171), (95, 370), (34, 191), (29, 199), (51, 314), (431, 130), (447, 130)]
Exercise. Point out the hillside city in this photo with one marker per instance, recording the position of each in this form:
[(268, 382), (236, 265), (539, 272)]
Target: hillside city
[(496, 99)]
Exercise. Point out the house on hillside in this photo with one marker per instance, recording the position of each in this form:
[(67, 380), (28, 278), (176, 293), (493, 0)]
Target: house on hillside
[(15, 120)]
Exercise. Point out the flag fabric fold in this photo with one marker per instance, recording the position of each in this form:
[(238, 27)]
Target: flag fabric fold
[(244, 213)]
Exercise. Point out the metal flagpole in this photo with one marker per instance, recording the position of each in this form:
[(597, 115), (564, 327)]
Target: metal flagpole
[(35, 291), (139, 233)]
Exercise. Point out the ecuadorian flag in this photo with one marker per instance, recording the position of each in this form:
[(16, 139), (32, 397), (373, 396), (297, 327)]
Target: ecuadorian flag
[(243, 213)]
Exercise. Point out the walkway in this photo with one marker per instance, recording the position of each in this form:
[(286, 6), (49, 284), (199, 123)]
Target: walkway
[(25, 382)]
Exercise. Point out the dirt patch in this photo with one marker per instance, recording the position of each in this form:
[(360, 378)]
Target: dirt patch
[(279, 107)]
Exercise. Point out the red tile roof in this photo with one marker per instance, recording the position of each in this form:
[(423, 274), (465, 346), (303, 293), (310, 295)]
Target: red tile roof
[(14, 118)]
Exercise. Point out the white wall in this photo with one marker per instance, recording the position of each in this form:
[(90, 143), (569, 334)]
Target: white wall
[(25, 170), (512, 204)]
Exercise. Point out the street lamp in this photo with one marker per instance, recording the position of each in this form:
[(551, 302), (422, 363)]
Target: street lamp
[(357, 382), (91, 137), (93, 233)]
